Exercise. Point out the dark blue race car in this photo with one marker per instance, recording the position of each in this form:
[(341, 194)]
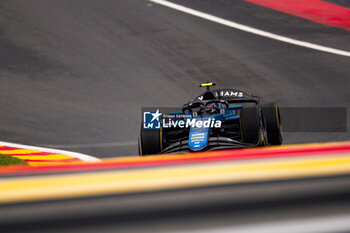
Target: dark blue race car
[(217, 119)]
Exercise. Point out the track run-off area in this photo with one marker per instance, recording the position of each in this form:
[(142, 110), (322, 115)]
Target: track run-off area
[(39, 156)]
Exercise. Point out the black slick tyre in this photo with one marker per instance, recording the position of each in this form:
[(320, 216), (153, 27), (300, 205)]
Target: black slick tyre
[(250, 124), (271, 114), (149, 141)]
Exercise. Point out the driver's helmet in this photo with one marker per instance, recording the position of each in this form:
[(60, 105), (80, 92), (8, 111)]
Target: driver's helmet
[(211, 108)]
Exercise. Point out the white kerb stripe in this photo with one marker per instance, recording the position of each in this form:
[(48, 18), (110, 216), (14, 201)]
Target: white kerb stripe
[(80, 156), (251, 29)]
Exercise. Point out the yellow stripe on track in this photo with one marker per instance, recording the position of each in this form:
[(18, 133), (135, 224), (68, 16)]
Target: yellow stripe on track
[(43, 157), (19, 151), (48, 163), (117, 182)]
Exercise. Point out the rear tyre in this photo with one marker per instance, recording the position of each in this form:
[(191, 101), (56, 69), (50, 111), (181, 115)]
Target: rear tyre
[(149, 141), (271, 114), (250, 124)]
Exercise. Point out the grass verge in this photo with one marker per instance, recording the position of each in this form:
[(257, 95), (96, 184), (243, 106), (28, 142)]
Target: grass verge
[(6, 160)]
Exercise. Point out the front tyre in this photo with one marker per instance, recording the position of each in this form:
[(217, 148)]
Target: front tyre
[(250, 124), (149, 141), (270, 112)]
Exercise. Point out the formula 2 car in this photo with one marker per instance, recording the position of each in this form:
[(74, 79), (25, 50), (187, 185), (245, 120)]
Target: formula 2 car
[(217, 119)]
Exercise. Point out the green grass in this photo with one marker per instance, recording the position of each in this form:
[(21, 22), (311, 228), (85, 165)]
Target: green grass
[(9, 160)]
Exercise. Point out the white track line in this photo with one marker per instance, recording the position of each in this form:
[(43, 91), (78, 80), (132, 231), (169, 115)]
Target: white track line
[(251, 29), (80, 156)]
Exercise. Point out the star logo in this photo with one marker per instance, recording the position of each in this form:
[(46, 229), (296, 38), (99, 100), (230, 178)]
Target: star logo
[(151, 120), (155, 115)]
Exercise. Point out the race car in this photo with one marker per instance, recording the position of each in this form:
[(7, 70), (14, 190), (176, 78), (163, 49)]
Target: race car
[(217, 119)]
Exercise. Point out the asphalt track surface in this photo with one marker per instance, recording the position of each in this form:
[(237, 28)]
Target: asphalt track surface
[(75, 74)]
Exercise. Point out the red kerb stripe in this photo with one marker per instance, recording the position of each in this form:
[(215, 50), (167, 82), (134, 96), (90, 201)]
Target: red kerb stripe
[(8, 148), (314, 10)]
